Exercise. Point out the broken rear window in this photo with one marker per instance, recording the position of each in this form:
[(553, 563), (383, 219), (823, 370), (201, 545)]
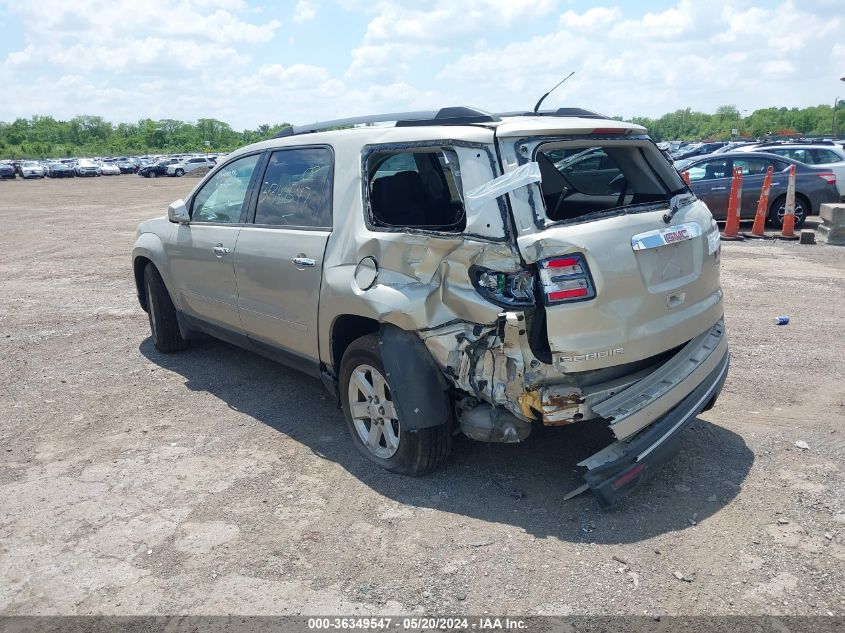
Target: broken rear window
[(580, 180), (416, 189)]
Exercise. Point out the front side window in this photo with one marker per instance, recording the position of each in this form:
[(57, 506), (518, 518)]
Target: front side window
[(221, 199), (709, 170), (296, 189), (416, 189)]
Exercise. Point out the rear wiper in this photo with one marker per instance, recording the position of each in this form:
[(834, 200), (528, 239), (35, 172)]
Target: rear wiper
[(675, 205)]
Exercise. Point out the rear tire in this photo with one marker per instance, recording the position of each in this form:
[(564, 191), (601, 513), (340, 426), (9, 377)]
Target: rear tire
[(164, 327), (376, 429), (152, 174), (778, 208), (180, 172)]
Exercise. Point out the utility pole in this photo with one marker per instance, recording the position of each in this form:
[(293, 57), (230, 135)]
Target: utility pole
[(835, 102)]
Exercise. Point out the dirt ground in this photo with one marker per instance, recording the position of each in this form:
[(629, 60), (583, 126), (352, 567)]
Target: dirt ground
[(216, 482)]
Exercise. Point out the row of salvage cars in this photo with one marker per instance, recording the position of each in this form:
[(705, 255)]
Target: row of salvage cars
[(30, 169), (150, 167)]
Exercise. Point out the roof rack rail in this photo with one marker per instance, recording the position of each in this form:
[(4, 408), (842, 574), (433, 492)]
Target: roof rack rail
[(562, 112), (456, 115)]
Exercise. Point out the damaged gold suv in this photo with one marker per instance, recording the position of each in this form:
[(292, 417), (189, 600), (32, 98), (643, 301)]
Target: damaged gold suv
[(458, 271)]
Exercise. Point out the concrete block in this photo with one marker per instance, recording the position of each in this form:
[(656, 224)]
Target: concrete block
[(808, 237), (832, 229)]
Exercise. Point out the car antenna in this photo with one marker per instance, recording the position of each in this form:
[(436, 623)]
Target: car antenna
[(543, 98)]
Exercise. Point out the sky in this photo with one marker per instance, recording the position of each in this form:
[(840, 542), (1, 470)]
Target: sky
[(249, 62)]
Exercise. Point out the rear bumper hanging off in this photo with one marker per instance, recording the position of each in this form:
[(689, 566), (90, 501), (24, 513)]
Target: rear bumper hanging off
[(622, 466)]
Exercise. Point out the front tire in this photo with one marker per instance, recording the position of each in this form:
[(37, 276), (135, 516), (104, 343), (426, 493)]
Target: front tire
[(164, 327), (152, 174), (369, 407), (180, 172)]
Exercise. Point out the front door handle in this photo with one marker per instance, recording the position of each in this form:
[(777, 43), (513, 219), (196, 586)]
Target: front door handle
[(303, 262), (220, 250), (719, 189)]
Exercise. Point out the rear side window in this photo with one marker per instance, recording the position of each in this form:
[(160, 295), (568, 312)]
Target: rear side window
[(296, 189), (801, 155), (824, 156), (416, 189), (579, 181), (752, 166)]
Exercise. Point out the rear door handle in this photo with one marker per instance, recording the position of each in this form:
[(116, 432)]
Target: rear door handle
[(220, 250), (719, 189), (303, 262)]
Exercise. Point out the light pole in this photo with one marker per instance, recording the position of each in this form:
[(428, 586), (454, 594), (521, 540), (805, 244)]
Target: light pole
[(835, 102)]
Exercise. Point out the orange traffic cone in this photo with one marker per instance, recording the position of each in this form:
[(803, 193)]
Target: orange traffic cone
[(762, 207), (731, 231), (788, 230)]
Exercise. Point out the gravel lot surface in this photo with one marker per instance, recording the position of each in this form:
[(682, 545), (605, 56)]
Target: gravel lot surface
[(215, 482)]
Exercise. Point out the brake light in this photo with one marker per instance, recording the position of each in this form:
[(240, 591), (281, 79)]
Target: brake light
[(566, 279), (611, 130), (628, 476), (828, 176), (504, 289)]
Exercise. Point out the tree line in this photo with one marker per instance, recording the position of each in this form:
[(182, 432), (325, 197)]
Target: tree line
[(689, 125), (45, 136)]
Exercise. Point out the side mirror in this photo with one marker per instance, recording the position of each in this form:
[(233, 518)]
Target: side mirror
[(177, 212)]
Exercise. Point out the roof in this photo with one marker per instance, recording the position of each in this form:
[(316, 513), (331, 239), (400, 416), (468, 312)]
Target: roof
[(576, 119)]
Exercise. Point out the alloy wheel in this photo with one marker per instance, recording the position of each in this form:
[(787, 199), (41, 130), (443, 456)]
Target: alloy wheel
[(373, 411)]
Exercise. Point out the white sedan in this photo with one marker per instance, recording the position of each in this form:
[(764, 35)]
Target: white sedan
[(109, 169), (189, 165)]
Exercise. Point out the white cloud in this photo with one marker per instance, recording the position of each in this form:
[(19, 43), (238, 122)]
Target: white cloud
[(590, 20), (231, 59), (304, 11), (689, 55)]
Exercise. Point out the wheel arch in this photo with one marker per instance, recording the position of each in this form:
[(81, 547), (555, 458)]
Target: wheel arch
[(344, 329), (149, 250)]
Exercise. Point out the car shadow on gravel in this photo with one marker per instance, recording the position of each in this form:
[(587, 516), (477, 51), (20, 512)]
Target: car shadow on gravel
[(522, 485)]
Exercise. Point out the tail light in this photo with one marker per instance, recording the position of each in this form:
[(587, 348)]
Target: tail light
[(628, 476), (566, 279), (504, 289), (828, 176)]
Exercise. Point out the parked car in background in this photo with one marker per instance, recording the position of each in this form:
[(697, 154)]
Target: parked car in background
[(189, 165), (710, 179), (729, 147), (60, 170), (87, 167), (699, 149), (7, 171), (127, 166), (32, 169), (108, 168), (826, 154), (153, 170)]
